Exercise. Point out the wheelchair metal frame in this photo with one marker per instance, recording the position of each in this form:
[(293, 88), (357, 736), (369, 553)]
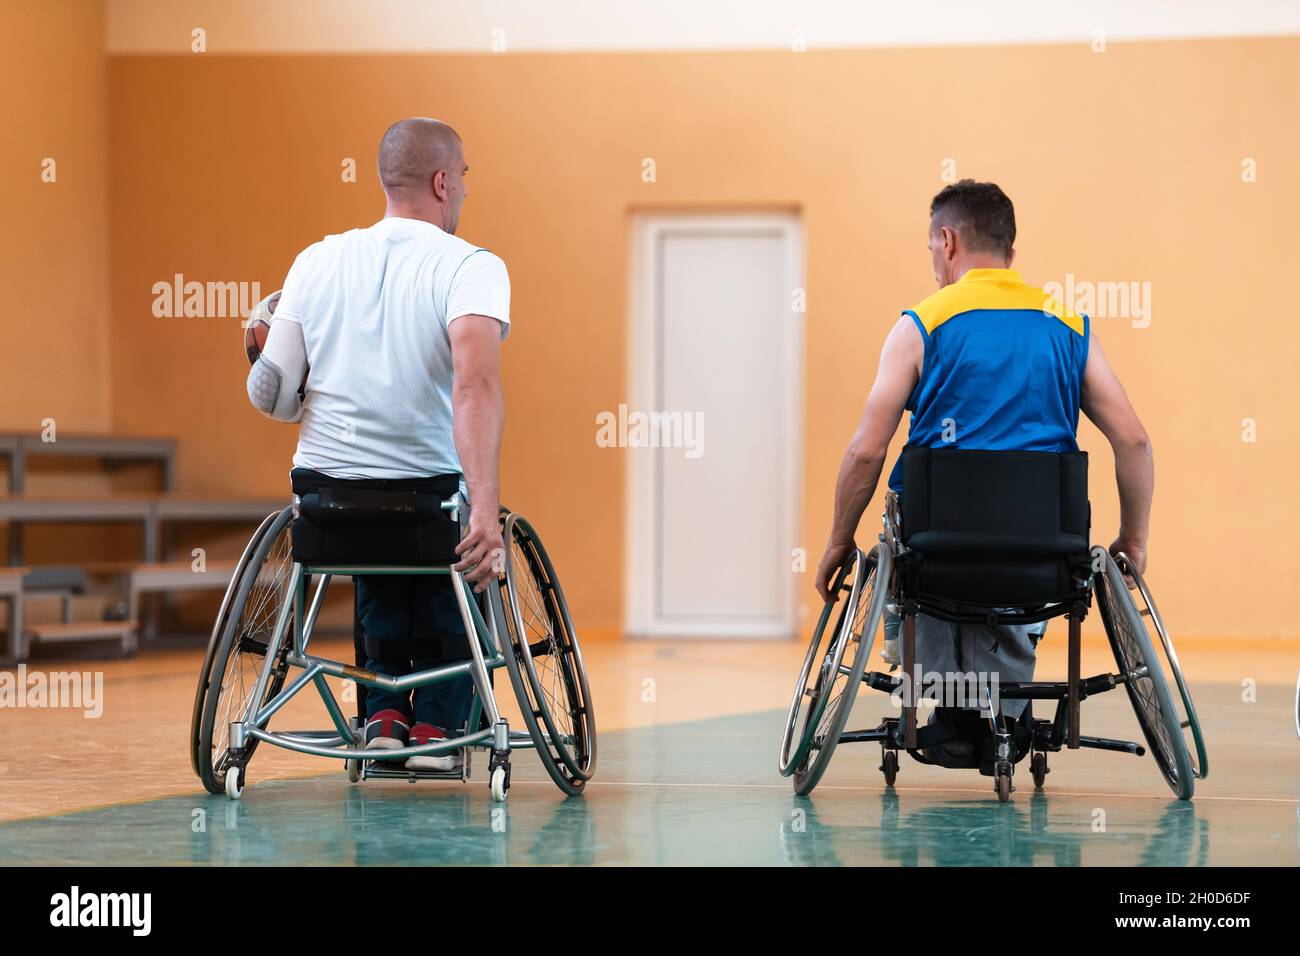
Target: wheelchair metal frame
[(487, 648), (1069, 694), (895, 733)]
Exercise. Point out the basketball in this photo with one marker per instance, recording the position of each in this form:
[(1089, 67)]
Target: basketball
[(258, 326)]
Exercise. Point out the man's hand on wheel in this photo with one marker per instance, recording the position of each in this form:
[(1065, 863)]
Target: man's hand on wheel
[(1137, 554), (481, 551), (830, 563)]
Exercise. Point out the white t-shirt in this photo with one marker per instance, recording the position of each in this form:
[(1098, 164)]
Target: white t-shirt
[(375, 305)]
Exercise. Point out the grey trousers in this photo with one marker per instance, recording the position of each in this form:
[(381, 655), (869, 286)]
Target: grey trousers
[(1005, 653)]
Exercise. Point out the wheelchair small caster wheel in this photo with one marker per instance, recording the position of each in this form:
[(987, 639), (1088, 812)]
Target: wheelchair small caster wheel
[(1039, 769), (1002, 780), (498, 784), (354, 770), (889, 766), (235, 782)]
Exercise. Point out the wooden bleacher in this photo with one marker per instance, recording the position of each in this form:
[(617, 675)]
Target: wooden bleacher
[(164, 577), (154, 513), (19, 448), (121, 631)]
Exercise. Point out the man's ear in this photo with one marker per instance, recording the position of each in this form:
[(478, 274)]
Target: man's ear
[(440, 185), (949, 237), (1011, 256)]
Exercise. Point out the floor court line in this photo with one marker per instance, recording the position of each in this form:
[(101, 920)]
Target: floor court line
[(905, 790), (702, 785)]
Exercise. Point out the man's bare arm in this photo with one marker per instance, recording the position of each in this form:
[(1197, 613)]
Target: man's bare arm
[(900, 361), (1108, 407), (478, 418)]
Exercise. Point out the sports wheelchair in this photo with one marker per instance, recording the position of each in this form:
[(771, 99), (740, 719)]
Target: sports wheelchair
[(354, 527), (995, 538)]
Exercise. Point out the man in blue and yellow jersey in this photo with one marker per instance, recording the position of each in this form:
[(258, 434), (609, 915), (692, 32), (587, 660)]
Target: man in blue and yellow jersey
[(987, 362)]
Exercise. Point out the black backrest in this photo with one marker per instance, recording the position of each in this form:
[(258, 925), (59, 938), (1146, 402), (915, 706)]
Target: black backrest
[(997, 494), (372, 520), (993, 529)]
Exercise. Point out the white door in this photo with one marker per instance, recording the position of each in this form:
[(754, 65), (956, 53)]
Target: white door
[(712, 425)]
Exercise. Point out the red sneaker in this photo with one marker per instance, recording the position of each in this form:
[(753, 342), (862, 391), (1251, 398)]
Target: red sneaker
[(387, 730), (425, 734)]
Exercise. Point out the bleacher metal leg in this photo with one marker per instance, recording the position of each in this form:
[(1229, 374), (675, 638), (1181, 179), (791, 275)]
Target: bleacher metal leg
[(17, 467), (16, 650)]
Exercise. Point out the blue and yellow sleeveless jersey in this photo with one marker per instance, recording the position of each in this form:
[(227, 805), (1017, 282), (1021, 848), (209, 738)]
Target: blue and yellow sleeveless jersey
[(1003, 368)]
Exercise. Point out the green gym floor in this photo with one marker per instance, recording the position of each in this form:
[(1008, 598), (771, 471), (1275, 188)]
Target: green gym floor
[(706, 792)]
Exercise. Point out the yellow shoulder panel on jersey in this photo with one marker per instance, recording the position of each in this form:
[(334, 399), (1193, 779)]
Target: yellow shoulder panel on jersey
[(978, 290)]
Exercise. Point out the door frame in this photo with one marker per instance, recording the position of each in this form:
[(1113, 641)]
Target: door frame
[(648, 230)]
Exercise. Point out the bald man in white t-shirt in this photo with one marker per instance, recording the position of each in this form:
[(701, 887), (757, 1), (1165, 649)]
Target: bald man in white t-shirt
[(398, 328)]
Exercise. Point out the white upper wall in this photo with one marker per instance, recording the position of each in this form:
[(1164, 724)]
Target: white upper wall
[(351, 26)]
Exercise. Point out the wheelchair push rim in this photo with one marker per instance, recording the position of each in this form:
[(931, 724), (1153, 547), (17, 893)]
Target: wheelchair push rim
[(214, 639), (829, 710), (793, 751), (1144, 679), (1188, 718), (236, 666), (545, 660)]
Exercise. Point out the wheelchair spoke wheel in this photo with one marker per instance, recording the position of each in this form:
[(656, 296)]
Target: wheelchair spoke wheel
[(837, 659), (1144, 678), (1187, 718), (797, 739), (237, 661), (214, 640), (545, 661)]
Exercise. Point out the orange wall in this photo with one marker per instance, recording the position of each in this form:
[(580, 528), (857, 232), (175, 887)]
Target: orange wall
[(54, 249), (1123, 165), (54, 244)]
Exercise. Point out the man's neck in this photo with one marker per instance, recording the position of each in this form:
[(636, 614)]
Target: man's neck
[(430, 214), (965, 265)]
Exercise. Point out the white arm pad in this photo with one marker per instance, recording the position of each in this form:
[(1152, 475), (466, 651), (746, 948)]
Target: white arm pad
[(270, 392), (273, 379)]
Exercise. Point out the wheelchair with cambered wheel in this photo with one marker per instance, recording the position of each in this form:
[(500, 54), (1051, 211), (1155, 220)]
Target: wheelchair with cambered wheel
[(264, 626), (998, 539)]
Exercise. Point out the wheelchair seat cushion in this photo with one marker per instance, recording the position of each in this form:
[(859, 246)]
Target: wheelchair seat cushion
[(991, 581), (372, 521)]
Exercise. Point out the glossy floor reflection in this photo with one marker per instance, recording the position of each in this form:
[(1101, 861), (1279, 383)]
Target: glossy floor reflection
[(694, 793)]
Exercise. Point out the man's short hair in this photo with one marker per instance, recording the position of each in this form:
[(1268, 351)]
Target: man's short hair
[(980, 212)]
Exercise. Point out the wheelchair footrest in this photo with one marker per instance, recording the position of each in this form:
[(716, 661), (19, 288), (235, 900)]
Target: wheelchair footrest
[(1106, 743), (890, 733), (402, 773), (881, 733)]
